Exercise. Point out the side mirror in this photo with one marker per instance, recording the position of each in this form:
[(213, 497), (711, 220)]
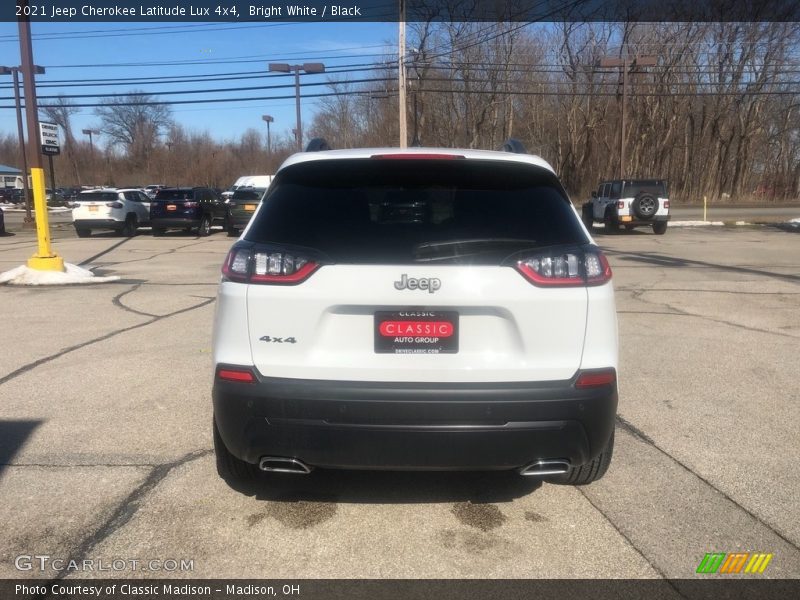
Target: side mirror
[(594, 194)]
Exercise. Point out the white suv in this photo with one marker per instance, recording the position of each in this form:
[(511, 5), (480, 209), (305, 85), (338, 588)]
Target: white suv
[(415, 309), (119, 210), (630, 203)]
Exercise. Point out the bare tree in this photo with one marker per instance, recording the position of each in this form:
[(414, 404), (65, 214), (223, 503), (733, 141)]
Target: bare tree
[(134, 121)]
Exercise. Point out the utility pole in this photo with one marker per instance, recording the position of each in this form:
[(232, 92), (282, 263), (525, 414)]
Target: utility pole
[(629, 65), (44, 259), (306, 68), (401, 84)]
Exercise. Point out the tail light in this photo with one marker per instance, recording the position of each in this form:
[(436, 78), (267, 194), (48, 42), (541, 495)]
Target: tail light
[(190, 204), (566, 268), (620, 204), (268, 266), (231, 204), (114, 204), (595, 378), (666, 203)]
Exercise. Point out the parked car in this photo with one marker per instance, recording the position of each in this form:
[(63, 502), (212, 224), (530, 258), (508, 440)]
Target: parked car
[(122, 210), (257, 181), (55, 199), (151, 189), (629, 202), (187, 208), (2, 222), (242, 206), (421, 308)]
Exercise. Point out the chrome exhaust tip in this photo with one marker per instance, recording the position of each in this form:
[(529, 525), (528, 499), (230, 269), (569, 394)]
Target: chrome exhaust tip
[(278, 464), (543, 468)]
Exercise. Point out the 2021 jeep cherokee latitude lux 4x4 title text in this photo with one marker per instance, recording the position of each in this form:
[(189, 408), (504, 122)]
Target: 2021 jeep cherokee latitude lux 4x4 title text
[(415, 309)]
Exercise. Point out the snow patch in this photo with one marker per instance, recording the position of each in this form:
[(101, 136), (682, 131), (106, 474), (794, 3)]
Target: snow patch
[(696, 223), (24, 275)]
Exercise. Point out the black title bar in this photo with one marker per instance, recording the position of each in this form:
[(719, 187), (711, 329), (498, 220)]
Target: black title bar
[(243, 11)]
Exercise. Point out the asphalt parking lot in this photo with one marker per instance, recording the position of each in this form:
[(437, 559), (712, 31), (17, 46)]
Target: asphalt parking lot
[(105, 437)]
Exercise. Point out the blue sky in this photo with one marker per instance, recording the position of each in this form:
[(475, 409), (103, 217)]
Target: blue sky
[(72, 53)]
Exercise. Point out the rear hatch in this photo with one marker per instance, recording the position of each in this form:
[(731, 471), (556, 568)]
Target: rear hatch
[(410, 270), (96, 205), (245, 201), (174, 204)]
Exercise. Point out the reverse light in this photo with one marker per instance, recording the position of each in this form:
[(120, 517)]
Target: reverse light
[(571, 268), (596, 378), (114, 204)]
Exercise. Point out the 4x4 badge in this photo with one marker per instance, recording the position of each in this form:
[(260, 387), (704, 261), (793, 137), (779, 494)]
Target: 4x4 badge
[(422, 283)]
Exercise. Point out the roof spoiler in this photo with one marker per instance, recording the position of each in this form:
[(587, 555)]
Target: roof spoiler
[(317, 145), (513, 145)]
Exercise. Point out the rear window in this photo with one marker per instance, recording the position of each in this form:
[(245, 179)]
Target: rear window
[(634, 188), (97, 196), (174, 194), (249, 194), (368, 211)]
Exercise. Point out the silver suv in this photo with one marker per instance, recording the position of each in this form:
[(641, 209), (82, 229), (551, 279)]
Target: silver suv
[(424, 308)]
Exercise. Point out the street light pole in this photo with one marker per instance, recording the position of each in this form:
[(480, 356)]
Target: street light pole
[(306, 68), (90, 132), (268, 119)]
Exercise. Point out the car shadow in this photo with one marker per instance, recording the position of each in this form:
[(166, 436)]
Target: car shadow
[(389, 487), (13, 435)]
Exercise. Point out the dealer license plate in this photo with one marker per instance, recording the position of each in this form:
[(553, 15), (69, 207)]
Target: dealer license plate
[(416, 332)]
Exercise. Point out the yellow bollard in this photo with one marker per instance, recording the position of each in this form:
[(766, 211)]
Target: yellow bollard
[(44, 259)]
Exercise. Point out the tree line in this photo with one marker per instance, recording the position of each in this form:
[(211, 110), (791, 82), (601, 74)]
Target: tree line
[(716, 115)]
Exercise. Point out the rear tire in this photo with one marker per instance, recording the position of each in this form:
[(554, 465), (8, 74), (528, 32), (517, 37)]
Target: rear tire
[(232, 231), (586, 216), (158, 232), (204, 228), (229, 467), (131, 224), (610, 224), (591, 471), (660, 227), (83, 233)]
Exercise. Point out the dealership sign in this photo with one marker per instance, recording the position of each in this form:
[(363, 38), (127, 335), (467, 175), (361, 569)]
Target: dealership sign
[(48, 133)]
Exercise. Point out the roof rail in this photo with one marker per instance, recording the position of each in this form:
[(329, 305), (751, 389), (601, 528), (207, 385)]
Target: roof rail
[(317, 145), (513, 145)]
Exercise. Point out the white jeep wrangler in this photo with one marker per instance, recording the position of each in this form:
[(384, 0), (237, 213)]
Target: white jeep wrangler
[(629, 202)]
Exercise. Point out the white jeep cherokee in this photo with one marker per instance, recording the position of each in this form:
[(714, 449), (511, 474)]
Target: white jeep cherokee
[(415, 309), (123, 211)]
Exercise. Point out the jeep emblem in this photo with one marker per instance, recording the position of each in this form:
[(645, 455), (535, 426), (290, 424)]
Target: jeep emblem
[(423, 283)]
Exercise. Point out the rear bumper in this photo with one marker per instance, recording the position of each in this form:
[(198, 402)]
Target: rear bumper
[(637, 221), (366, 425), (240, 219), (174, 222), (98, 224)]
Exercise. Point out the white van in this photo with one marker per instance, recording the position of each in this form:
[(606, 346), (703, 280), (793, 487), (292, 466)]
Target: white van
[(255, 181)]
